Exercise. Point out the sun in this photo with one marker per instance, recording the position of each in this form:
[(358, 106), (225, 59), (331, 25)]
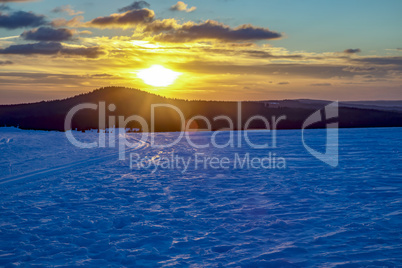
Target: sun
[(158, 76)]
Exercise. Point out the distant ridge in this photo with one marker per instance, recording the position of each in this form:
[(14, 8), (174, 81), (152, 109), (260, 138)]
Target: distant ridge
[(50, 115)]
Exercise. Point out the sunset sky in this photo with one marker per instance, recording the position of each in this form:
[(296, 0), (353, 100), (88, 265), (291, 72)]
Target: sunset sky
[(223, 49)]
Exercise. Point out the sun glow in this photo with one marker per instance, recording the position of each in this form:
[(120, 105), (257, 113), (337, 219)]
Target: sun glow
[(158, 76)]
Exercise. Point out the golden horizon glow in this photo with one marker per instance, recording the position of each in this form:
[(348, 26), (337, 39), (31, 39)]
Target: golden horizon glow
[(158, 76)]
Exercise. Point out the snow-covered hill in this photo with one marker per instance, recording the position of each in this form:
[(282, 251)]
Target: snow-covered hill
[(65, 206)]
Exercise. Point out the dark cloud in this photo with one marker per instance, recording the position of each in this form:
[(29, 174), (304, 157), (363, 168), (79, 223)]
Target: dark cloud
[(37, 48), (52, 48), (134, 6), (217, 31), (48, 34), (7, 62), (104, 75), (39, 75), (352, 51), (318, 71), (21, 19), (322, 85), (158, 26), (252, 53), (358, 69), (283, 83), (381, 60), (89, 52), (54, 75), (127, 19), (399, 48)]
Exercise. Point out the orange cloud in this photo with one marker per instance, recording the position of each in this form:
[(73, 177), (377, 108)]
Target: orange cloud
[(181, 6)]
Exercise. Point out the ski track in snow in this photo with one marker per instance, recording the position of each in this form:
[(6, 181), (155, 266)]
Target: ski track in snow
[(69, 166), (64, 206)]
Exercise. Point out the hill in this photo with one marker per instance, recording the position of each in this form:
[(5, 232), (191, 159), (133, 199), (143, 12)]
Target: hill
[(50, 115)]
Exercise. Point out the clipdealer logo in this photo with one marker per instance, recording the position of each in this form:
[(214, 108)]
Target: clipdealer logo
[(327, 115)]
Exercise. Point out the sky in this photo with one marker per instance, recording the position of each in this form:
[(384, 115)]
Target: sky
[(223, 49)]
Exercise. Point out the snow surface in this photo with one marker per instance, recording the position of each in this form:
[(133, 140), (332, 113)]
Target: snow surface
[(65, 206)]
